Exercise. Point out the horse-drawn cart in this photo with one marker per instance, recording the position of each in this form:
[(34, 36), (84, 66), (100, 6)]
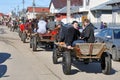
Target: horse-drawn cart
[(37, 40), (86, 52)]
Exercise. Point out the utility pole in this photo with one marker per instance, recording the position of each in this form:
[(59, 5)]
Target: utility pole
[(18, 10), (23, 3), (68, 11), (23, 17), (15, 12), (33, 8)]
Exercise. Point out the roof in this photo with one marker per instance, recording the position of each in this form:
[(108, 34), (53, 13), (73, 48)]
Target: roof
[(1, 14), (58, 4), (73, 9), (6, 15), (113, 2), (38, 9), (102, 6)]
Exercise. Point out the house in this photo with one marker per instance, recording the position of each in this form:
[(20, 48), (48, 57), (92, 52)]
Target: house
[(96, 11), (102, 13), (59, 7), (56, 5), (33, 11), (74, 10), (115, 11), (1, 16)]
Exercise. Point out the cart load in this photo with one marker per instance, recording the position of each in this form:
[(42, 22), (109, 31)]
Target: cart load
[(86, 52)]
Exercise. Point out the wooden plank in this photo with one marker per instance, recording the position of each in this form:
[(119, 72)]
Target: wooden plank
[(84, 49), (46, 40), (88, 57)]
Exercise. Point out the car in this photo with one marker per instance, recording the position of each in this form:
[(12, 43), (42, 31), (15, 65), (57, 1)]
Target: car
[(110, 36)]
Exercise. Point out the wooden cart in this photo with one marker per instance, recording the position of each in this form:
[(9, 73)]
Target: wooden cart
[(86, 52), (46, 40)]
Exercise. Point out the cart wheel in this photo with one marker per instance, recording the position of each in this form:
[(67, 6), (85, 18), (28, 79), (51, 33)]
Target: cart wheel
[(55, 55), (20, 33), (52, 45), (66, 63), (114, 54), (11, 28), (106, 63), (24, 36), (21, 37), (31, 40), (34, 43)]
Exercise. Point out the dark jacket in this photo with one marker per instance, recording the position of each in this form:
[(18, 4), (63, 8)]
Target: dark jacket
[(62, 33), (71, 35), (88, 34)]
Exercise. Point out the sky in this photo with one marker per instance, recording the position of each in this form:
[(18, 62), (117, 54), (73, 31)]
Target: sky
[(7, 6)]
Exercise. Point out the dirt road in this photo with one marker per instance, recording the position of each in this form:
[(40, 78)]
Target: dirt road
[(19, 62)]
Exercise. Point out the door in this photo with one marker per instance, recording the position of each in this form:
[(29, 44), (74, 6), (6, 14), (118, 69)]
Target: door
[(108, 39)]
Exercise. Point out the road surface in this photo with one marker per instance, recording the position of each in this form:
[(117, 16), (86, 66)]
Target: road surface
[(19, 62)]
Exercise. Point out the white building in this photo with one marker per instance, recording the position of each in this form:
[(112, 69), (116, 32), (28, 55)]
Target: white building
[(115, 11), (96, 11), (53, 9), (59, 7), (1, 16), (33, 11)]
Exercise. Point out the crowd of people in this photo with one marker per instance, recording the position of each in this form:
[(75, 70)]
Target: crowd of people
[(70, 34)]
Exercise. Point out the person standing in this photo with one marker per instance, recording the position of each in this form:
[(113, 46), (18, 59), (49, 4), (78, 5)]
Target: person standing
[(105, 25), (102, 25)]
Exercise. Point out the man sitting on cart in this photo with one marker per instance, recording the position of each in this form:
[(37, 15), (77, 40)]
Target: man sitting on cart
[(73, 35), (59, 35), (88, 32), (42, 26)]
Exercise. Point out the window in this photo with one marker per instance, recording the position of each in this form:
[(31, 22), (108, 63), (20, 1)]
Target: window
[(103, 33), (117, 33), (109, 33)]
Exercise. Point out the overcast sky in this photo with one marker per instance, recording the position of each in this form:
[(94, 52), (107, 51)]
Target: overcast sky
[(8, 5)]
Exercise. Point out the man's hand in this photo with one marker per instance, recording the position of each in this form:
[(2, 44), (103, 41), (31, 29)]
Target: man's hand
[(82, 38), (69, 47)]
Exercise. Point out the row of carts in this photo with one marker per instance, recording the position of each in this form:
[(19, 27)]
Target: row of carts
[(37, 40), (85, 52)]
